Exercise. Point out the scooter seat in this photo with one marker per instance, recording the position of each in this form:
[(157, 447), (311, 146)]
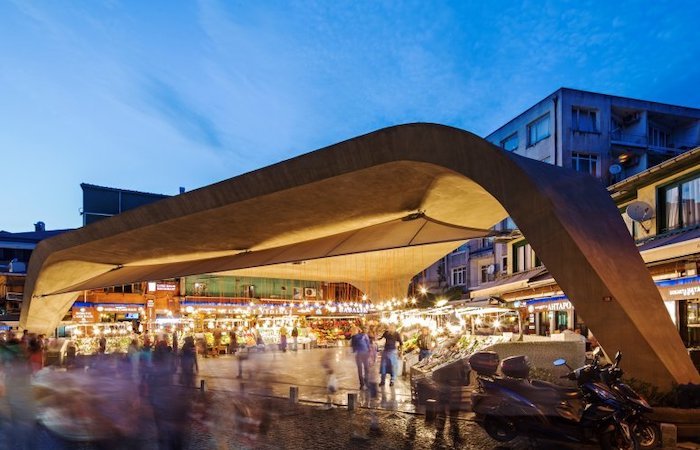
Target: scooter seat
[(561, 390)]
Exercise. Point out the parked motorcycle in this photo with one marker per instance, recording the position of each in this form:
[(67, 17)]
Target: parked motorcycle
[(647, 431), (510, 406)]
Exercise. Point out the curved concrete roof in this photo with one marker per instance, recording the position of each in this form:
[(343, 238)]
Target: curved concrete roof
[(341, 197)]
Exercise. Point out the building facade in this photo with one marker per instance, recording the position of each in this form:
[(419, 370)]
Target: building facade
[(668, 238), (610, 137), (15, 251)]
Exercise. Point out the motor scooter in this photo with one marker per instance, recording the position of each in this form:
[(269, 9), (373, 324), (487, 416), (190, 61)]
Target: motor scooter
[(647, 431), (510, 405)]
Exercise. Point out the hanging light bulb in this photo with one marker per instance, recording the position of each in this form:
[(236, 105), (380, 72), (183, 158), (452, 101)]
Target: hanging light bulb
[(496, 324), (423, 290)]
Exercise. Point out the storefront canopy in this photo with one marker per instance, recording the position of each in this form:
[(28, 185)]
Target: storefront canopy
[(318, 215)]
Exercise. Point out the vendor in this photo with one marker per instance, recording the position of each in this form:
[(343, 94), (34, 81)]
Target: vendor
[(426, 344)]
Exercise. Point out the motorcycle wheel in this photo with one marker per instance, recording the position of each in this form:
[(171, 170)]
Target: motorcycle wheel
[(616, 440), (500, 429), (648, 433)]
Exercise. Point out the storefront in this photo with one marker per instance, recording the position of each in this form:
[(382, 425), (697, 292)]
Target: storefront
[(682, 299), (548, 315)]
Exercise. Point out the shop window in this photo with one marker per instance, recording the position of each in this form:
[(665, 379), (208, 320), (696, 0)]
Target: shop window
[(459, 276), (538, 130), (510, 144), (584, 119), (680, 204)]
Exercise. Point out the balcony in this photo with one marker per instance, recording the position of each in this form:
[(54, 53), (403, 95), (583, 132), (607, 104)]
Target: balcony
[(667, 146)]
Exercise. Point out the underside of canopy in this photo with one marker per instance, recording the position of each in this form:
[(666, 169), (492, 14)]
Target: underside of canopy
[(336, 213)]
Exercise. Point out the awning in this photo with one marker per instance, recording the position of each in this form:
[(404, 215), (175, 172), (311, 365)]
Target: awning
[(671, 245), (516, 281)]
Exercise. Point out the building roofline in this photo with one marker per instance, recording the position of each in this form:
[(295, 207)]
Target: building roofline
[(564, 88), (129, 191), (628, 186)]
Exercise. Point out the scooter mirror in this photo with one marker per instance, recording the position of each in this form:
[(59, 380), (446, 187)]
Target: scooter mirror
[(597, 352), (559, 362)]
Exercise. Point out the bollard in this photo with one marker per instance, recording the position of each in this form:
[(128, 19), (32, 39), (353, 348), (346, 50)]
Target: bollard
[(669, 436), (352, 401), (241, 387), (202, 386), (430, 409), (293, 394)]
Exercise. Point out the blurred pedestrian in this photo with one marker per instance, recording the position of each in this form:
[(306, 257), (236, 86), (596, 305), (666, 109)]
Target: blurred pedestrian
[(102, 346), (36, 354), (170, 405), (330, 379), (295, 337), (188, 362), (360, 346), (426, 343), (132, 353), (19, 395), (283, 338), (390, 354), (233, 342)]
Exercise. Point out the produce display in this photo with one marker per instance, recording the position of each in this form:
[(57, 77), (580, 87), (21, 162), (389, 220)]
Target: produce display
[(455, 349)]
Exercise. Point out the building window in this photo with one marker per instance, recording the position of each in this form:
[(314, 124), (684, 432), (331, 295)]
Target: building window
[(538, 130), (524, 257), (504, 264), (681, 204), (510, 144), (659, 137), (584, 119), (484, 274), (582, 162), (459, 276)]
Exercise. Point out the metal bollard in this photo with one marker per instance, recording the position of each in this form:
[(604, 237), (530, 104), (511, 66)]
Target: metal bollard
[(352, 401), (669, 435), (202, 386), (293, 394), (430, 409)]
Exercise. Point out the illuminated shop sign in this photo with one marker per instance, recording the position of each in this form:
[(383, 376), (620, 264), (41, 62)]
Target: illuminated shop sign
[(155, 286)]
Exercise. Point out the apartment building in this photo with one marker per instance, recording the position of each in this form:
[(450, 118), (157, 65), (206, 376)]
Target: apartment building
[(609, 137)]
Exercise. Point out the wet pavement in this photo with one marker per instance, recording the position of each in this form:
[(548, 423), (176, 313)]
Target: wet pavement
[(274, 372)]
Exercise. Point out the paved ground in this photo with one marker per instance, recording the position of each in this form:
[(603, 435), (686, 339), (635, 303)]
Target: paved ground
[(303, 369)]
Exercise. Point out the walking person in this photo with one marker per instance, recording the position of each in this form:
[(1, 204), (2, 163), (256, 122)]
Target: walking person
[(426, 344), (360, 346), (295, 337), (390, 354), (233, 342), (283, 338), (188, 362)]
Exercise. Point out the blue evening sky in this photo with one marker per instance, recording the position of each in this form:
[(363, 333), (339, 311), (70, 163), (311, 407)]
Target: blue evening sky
[(152, 95)]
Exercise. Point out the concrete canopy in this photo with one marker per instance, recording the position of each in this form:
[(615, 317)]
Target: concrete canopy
[(328, 208)]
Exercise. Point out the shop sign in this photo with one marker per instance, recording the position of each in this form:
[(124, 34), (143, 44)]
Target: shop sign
[(84, 315), (118, 308), (150, 303), (154, 286), (167, 287), (552, 306), (680, 291)]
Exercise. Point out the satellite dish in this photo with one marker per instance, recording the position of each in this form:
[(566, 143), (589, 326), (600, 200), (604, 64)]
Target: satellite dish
[(640, 211), (491, 269), (615, 169)]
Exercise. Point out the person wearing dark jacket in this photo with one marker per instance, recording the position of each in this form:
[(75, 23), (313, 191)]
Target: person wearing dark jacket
[(390, 354), (360, 346)]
